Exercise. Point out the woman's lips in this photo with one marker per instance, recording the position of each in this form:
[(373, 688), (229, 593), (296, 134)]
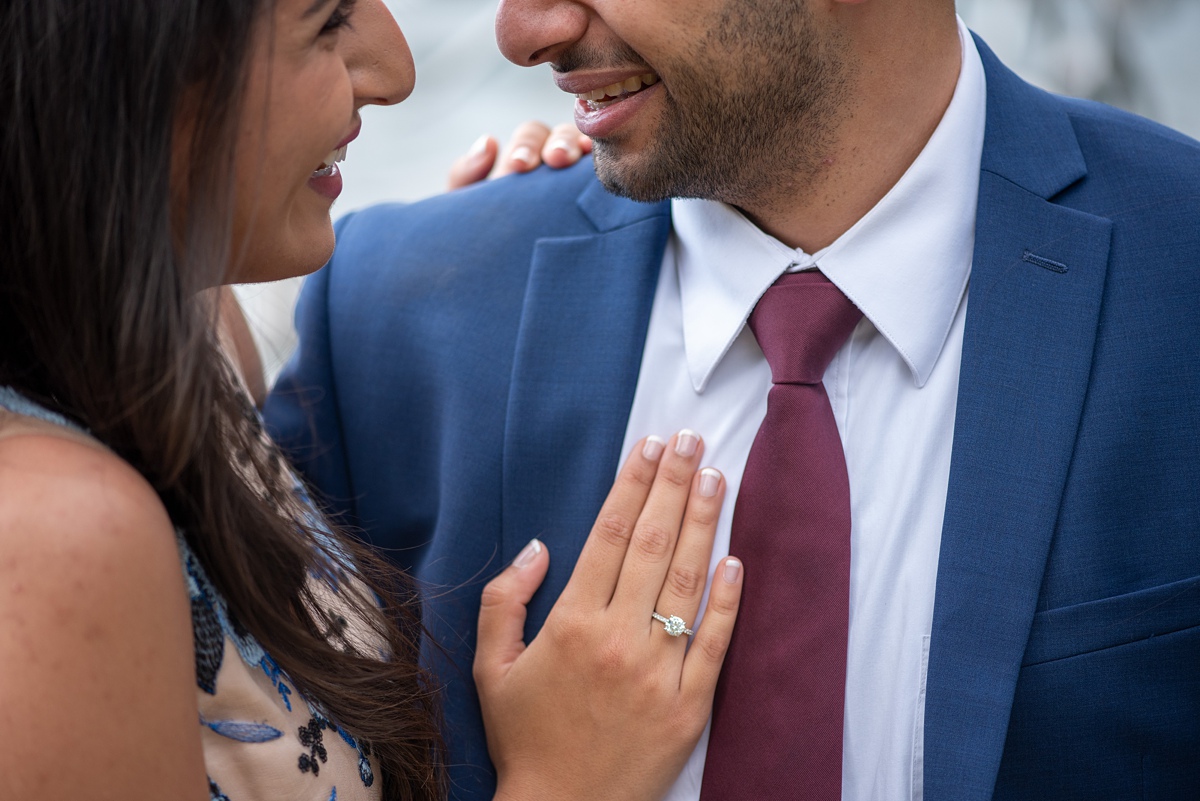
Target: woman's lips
[(353, 135), (327, 182)]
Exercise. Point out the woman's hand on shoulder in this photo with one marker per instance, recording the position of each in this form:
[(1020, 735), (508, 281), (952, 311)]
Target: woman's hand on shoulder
[(531, 145), (604, 703), (98, 692)]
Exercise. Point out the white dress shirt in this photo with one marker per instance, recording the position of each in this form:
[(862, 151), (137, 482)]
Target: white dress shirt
[(893, 388)]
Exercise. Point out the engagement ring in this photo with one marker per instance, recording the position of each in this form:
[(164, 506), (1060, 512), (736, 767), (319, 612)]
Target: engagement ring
[(673, 625)]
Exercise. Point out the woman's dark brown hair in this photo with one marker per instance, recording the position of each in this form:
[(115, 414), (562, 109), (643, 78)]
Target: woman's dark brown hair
[(103, 264)]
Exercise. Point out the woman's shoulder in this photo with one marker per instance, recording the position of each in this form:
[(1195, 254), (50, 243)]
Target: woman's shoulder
[(95, 627), (77, 522), (59, 482)]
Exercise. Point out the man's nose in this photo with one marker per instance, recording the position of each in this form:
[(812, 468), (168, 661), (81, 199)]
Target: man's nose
[(532, 32), (377, 56)]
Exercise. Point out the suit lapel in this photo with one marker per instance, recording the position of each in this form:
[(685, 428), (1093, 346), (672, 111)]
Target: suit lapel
[(578, 355), (1036, 286)]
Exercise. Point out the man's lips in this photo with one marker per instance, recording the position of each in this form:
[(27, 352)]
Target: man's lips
[(584, 83), (603, 119), (606, 100), (621, 90)]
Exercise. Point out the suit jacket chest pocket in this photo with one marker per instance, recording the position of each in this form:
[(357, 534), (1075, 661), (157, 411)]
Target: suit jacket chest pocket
[(1108, 700)]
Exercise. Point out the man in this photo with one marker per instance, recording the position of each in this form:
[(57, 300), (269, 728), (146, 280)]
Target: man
[(1022, 460)]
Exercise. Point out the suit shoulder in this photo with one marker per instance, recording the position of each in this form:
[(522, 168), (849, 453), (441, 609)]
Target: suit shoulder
[(483, 236), (1142, 176), (541, 203), (1111, 138)]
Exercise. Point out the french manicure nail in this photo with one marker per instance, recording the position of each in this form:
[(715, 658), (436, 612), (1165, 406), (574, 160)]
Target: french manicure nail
[(479, 148), (686, 442), (527, 554), (732, 571), (710, 482), (523, 155), (653, 448), (560, 144)]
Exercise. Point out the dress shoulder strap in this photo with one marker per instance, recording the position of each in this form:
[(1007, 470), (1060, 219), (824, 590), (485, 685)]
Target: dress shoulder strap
[(15, 402)]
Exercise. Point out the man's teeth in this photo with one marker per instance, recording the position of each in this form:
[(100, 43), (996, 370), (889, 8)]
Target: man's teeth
[(333, 158), (625, 87)]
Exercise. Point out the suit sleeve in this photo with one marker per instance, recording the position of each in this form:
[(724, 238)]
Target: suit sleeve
[(302, 411)]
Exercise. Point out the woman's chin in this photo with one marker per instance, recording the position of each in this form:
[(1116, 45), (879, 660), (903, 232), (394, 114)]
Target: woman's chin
[(291, 257)]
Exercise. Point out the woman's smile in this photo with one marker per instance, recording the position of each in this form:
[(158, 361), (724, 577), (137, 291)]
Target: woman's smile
[(326, 180), (311, 72)]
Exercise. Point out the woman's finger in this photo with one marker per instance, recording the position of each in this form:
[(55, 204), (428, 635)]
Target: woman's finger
[(502, 612), (684, 585), (599, 564), (475, 164), (565, 146), (653, 542), (532, 144), (702, 665), (524, 151)]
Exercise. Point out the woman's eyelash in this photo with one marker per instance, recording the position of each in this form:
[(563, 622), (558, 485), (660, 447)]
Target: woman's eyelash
[(340, 16)]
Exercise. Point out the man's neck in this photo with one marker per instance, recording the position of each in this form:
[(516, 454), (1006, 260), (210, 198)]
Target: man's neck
[(905, 77)]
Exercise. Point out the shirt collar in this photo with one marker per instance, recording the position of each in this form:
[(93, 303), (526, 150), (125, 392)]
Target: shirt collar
[(905, 264)]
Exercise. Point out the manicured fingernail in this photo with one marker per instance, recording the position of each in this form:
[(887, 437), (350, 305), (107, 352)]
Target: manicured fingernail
[(527, 554), (686, 442), (732, 571), (523, 156), (478, 149), (710, 482), (653, 448), (559, 144)]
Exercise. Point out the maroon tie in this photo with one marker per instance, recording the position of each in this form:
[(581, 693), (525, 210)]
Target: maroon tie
[(777, 718)]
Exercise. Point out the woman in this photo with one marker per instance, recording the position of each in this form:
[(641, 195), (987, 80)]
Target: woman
[(151, 152)]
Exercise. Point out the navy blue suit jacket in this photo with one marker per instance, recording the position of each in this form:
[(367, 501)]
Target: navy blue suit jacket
[(468, 363)]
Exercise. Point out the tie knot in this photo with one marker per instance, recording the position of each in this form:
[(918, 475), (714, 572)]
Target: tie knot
[(800, 323)]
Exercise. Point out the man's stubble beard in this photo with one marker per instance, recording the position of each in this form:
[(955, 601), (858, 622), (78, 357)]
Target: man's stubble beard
[(748, 122)]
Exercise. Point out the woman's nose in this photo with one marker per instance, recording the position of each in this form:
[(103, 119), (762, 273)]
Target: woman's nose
[(377, 56)]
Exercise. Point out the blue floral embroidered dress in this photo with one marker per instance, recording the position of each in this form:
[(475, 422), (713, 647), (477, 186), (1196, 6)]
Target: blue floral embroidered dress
[(262, 741)]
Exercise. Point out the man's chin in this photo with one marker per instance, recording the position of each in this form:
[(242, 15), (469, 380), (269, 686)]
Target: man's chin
[(624, 174), (623, 189)]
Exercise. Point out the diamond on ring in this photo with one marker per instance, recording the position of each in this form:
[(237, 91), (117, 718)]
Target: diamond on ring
[(673, 625)]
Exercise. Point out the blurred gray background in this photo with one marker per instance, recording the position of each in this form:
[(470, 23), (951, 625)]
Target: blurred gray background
[(1141, 55)]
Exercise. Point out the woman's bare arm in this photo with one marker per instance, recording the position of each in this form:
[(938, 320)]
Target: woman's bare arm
[(97, 681)]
